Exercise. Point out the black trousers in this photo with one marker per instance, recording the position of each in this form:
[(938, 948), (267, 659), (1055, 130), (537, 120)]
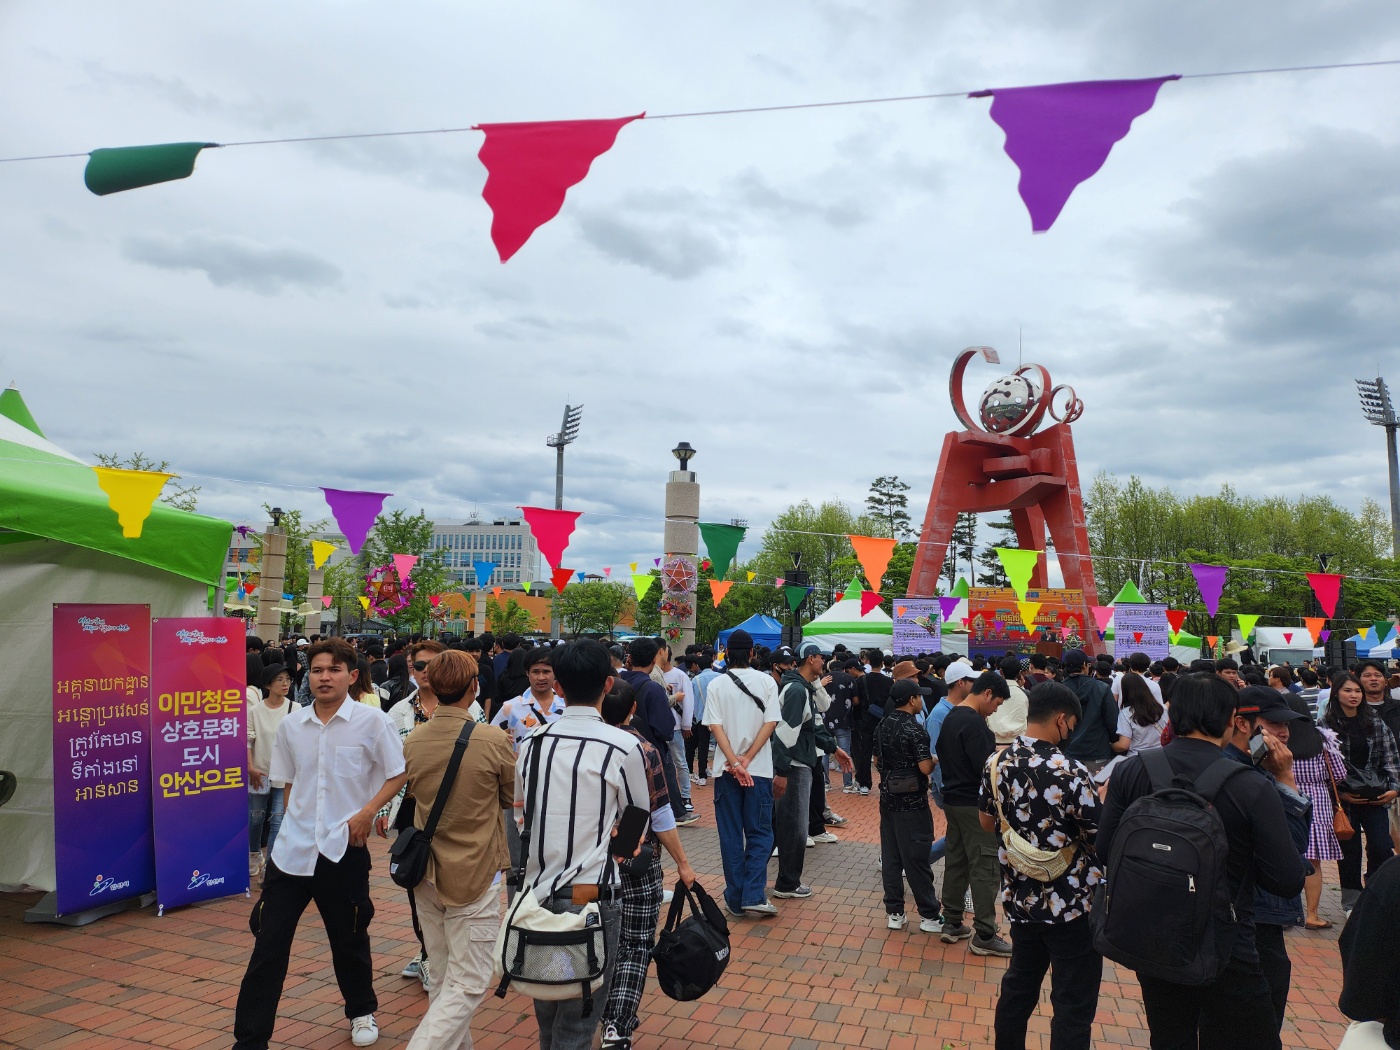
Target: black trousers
[(863, 748), (1234, 1012), (341, 893), (816, 805), (1374, 823), (697, 750), (905, 842), (1274, 961), (1066, 949)]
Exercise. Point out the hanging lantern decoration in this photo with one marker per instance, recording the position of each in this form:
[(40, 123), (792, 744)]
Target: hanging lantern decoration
[(387, 593)]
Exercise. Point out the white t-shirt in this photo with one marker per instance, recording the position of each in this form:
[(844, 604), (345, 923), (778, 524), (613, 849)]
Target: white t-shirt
[(678, 685), (728, 706), (1141, 738), (262, 732), (1152, 687)]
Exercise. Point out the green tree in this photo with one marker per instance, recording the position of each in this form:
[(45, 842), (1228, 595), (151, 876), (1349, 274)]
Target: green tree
[(961, 550), (509, 617), (889, 504), (399, 532), (181, 497), (593, 607)]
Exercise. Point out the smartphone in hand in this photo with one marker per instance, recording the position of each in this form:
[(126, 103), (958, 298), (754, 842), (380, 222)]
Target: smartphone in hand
[(630, 829)]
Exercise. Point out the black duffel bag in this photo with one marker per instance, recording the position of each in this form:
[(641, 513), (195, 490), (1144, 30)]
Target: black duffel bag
[(691, 954)]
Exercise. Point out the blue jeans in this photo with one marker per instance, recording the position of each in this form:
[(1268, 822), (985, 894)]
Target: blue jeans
[(843, 741), (268, 807), (744, 818)]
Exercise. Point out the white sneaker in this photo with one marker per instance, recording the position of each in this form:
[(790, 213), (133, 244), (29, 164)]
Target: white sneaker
[(423, 972), (667, 896), (849, 789), (897, 921), (810, 842), (825, 836), (865, 791), (363, 1031), (699, 781), (411, 970), (931, 925)]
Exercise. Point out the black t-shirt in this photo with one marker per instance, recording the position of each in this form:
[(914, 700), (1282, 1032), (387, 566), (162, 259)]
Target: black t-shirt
[(841, 689), (901, 743), (964, 744)]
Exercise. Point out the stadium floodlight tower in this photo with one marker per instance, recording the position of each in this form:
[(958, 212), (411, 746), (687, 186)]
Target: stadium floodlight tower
[(1375, 404), (568, 431)]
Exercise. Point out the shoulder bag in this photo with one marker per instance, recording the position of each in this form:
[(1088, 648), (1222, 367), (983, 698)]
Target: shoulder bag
[(745, 690), (1341, 826), (691, 954), (411, 851), (1043, 865)]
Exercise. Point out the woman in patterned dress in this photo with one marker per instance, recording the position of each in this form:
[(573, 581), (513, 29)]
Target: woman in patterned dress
[(1311, 775)]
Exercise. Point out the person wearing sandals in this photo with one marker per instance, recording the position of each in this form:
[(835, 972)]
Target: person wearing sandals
[(1316, 777)]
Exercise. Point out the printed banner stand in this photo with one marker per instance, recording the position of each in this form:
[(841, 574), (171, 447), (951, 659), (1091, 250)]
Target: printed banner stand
[(103, 847), (917, 627), (1141, 627), (199, 748)]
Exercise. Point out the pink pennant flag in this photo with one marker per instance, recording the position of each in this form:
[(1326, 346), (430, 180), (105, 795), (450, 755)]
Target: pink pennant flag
[(1328, 588), (404, 563), (1211, 581), (1065, 632), (948, 606), (551, 529), (779, 582), (354, 513), (434, 599), (530, 166), (1059, 135), (607, 570), (1102, 614), (868, 601), (326, 600)]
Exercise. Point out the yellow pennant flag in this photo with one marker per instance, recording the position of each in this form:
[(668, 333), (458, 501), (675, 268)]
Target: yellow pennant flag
[(1028, 611), (364, 603), (751, 576), (131, 493), (632, 565), (320, 551)]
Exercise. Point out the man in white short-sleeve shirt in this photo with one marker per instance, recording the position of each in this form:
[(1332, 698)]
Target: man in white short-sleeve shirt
[(340, 761), (741, 711), (1138, 664)]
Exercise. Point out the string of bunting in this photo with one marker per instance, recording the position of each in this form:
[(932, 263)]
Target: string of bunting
[(1057, 135)]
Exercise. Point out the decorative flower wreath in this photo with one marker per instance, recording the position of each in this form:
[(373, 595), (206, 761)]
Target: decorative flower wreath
[(672, 633), (387, 593), (678, 576), (675, 608)]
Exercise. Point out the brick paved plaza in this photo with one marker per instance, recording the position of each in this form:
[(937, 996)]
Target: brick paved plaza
[(824, 973)]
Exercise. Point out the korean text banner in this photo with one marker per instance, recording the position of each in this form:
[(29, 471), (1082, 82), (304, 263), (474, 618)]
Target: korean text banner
[(199, 748), (995, 627), (101, 754), (918, 626), (1140, 629)]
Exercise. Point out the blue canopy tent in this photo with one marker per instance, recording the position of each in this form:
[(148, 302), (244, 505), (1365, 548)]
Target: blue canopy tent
[(763, 629)]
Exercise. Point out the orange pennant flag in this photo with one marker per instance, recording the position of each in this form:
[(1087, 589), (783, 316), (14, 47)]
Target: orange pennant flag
[(1212, 640), (874, 554), (1315, 626), (718, 589), (496, 591)]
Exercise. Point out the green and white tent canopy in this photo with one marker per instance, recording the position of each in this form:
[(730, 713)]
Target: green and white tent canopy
[(843, 624)]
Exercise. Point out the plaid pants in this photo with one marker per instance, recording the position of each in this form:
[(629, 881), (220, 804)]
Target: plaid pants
[(641, 910)]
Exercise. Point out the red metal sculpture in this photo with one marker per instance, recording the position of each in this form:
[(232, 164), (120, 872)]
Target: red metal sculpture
[(1003, 464)]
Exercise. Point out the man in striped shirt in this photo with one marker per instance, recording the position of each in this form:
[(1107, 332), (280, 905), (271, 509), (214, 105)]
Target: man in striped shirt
[(589, 773)]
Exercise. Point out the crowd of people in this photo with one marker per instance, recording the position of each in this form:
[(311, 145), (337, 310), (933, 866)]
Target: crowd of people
[(1051, 775)]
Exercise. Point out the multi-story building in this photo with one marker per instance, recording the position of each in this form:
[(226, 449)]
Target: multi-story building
[(505, 543)]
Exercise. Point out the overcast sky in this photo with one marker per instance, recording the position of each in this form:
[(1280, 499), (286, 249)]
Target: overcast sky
[(786, 291)]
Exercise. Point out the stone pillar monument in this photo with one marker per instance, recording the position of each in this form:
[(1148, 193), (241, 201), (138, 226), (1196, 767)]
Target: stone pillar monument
[(315, 588), (679, 573), (272, 569)]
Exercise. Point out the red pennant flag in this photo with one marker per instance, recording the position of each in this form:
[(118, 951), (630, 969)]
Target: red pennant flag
[(1328, 587), (868, 601), (1288, 637), (718, 589), (1176, 617), (551, 529), (433, 600), (561, 578), (530, 166), (1137, 637)]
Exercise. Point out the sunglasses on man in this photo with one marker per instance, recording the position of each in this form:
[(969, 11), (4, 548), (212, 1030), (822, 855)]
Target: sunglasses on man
[(420, 665)]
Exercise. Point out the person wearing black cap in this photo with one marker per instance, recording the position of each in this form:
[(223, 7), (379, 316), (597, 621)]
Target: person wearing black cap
[(1265, 712), (906, 823), (1092, 742)]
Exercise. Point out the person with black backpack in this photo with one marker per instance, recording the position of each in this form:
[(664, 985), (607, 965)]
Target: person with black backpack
[(1186, 835)]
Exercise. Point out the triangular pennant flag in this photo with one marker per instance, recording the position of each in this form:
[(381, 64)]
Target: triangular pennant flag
[(1129, 594), (551, 529), (1315, 625), (484, 571), (607, 570), (868, 601), (1176, 617), (1383, 631), (1211, 581), (632, 565), (874, 555), (1327, 586), (1028, 612), (1247, 622), (129, 167), (1137, 637), (998, 625), (561, 578), (706, 565), (531, 165), (751, 576), (320, 551), (132, 494), (718, 589), (1288, 637), (721, 543), (581, 574), (434, 600), (961, 589), (1019, 565), (948, 606), (326, 600), (1102, 614), (900, 610), (1362, 634), (1212, 640), (354, 513), (656, 562), (496, 591), (287, 597), (364, 603), (1060, 134), (778, 583), (1323, 636), (1065, 632), (641, 583), (404, 563), (795, 594), (527, 584)]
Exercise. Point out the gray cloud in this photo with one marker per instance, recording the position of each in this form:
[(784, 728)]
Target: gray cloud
[(235, 262), (674, 248)]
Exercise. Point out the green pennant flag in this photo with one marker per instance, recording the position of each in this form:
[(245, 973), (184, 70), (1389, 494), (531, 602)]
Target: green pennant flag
[(641, 583), (1019, 565), (961, 589), (721, 543), (795, 593), (1247, 622), (1383, 629), (1130, 594), (128, 167)]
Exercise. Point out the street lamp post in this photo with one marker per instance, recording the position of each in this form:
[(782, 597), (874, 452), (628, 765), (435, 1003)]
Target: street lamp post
[(682, 536), (1376, 406)]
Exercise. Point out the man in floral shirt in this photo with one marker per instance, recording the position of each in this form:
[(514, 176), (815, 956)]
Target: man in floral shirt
[(1050, 802)]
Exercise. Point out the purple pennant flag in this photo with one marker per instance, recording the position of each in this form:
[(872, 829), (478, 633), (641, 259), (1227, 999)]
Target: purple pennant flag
[(1323, 635), (1060, 134), (948, 606), (998, 625), (355, 512), (1211, 580)]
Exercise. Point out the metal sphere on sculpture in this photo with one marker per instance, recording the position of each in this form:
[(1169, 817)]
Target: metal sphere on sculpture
[(1007, 402), (1014, 405)]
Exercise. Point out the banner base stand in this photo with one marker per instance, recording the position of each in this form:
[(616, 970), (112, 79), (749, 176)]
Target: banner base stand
[(46, 910)]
